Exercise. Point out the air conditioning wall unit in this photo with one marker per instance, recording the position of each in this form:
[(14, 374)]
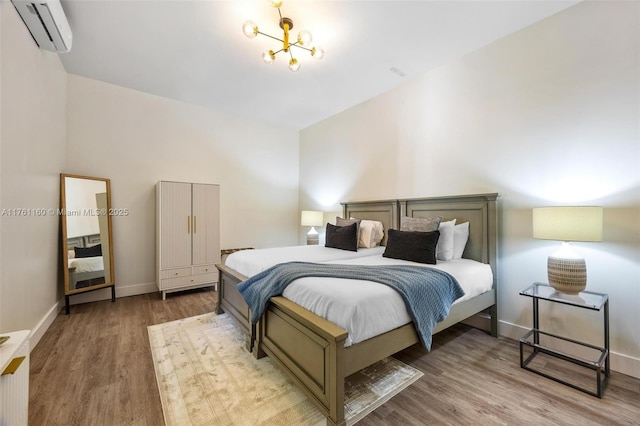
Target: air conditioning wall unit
[(47, 23)]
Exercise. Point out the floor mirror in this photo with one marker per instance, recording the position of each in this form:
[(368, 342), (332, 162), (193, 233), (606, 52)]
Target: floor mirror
[(87, 243)]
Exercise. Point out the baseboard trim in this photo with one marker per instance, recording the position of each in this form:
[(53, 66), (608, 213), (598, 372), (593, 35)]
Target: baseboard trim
[(38, 331), (136, 289), (121, 291), (620, 363)]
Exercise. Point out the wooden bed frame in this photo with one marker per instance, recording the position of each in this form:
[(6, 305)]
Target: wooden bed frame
[(311, 349)]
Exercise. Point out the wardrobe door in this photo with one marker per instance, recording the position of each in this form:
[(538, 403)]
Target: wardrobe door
[(206, 224), (176, 224)]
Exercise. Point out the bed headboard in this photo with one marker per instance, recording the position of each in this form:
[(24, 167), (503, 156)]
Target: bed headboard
[(384, 211), (83, 241), (477, 209)]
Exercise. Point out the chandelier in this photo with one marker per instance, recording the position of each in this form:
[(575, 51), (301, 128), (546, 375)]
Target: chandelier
[(250, 29)]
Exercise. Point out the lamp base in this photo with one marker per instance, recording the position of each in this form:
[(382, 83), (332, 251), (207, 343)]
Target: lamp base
[(567, 272), (312, 237)]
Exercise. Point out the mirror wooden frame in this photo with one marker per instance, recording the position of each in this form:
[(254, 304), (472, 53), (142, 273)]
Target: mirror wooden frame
[(68, 291)]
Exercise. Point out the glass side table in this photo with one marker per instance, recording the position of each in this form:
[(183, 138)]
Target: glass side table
[(541, 342)]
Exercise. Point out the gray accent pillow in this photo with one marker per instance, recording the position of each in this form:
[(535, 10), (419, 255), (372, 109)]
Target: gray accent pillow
[(346, 222), (420, 224), (342, 237), (414, 246)]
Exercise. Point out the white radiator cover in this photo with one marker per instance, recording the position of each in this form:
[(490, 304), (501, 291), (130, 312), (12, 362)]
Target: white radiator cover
[(14, 388)]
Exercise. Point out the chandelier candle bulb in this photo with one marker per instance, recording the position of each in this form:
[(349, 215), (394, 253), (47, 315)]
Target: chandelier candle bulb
[(317, 52), (304, 37), (268, 56), (250, 29)]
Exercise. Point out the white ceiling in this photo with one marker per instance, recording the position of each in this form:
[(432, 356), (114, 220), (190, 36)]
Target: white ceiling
[(195, 51)]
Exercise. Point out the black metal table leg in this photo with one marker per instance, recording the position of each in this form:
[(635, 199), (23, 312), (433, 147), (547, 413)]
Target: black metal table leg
[(536, 321), (607, 362)]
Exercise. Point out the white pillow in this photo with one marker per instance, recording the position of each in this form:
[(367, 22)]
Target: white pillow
[(444, 249), (377, 233), (460, 237), (367, 239)]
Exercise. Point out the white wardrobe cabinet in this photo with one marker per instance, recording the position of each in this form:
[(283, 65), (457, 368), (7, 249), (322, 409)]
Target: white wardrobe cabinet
[(187, 235)]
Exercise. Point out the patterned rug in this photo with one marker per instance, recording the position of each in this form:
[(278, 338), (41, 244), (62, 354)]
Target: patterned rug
[(206, 377)]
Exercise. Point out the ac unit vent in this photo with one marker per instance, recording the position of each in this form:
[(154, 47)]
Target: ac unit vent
[(47, 23)]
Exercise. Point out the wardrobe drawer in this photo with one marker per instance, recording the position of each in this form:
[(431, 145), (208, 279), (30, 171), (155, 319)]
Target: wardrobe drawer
[(175, 273), (211, 277), (204, 269), (170, 283)]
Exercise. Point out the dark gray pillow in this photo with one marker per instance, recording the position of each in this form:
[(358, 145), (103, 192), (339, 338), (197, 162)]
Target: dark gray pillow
[(88, 251), (412, 245), (419, 224), (342, 237)]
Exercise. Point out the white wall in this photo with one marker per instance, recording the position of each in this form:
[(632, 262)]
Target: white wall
[(546, 116), (32, 148), (80, 196), (136, 139)]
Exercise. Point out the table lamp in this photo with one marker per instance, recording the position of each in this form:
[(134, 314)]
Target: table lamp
[(566, 269), (312, 219)]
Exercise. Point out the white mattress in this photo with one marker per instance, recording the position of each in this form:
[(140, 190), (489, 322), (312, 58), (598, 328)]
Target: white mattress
[(366, 309), (251, 262), (87, 264)]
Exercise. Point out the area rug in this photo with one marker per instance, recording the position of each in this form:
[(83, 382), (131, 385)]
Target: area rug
[(206, 377)]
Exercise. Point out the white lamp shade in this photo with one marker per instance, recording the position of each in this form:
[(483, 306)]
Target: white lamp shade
[(312, 218), (568, 223)]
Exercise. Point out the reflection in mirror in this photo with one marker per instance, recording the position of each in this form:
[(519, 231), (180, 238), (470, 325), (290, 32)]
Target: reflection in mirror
[(86, 234)]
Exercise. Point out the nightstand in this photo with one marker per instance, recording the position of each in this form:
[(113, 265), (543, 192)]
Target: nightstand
[(539, 342)]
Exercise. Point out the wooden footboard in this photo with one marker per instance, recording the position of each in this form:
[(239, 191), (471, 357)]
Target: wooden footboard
[(311, 350)]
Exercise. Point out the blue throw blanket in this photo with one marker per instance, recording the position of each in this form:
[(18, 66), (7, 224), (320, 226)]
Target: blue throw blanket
[(428, 293)]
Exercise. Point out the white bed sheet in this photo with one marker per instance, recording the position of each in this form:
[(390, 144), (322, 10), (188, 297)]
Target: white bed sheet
[(366, 309), (87, 264), (251, 262)]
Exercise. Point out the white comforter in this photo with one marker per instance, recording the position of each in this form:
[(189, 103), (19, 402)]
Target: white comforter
[(366, 309), (363, 308), (251, 262), (87, 264)]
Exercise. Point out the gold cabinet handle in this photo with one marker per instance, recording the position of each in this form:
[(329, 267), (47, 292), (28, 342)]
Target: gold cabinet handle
[(13, 365), (194, 224), (188, 224)]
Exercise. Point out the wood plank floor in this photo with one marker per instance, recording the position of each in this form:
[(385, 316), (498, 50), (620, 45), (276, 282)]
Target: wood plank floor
[(94, 367)]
